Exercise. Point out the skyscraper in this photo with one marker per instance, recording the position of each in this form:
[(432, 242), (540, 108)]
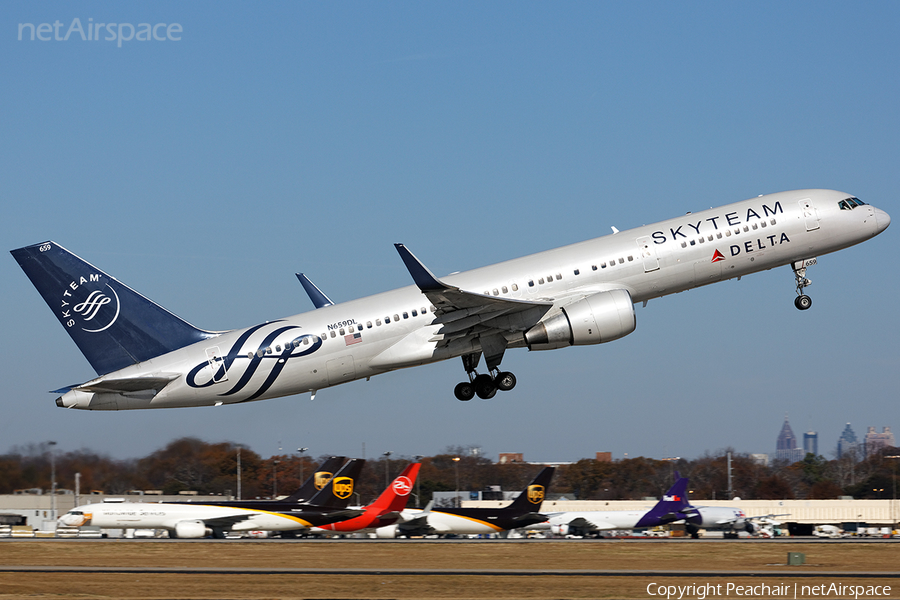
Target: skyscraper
[(847, 443), (877, 441), (786, 447), (811, 443)]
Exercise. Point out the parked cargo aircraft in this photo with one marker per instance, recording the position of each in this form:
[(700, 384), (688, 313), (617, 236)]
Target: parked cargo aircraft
[(733, 520), (522, 512), (581, 294), (674, 506), (385, 510), (196, 520)]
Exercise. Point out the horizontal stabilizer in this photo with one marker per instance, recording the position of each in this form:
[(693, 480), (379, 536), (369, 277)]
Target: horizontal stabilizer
[(319, 299), (134, 384)]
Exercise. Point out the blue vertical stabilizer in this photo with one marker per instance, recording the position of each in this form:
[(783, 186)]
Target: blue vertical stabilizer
[(112, 325)]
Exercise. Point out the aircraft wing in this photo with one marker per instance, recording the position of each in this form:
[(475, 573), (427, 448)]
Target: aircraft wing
[(416, 526), (465, 314), (228, 521)]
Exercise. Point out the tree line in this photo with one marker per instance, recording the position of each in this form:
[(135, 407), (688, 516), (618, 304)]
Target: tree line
[(212, 468)]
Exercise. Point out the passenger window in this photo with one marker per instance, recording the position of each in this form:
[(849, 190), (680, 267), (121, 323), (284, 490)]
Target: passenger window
[(405, 315), (396, 317), (541, 281), (515, 287), (710, 238), (496, 292), (306, 341), (693, 243), (602, 265), (530, 283), (746, 229), (762, 224), (387, 319), (250, 355), (332, 333), (727, 233), (719, 236), (505, 289), (772, 221), (621, 261), (755, 227), (684, 244), (342, 331), (702, 240), (558, 277), (594, 267), (377, 322), (278, 348), (577, 272), (359, 327), (369, 324), (269, 350), (415, 313)]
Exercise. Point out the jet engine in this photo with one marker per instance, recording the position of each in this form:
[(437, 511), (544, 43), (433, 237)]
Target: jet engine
[(386, 532), (595, 319), (190, 529), (561, 529)]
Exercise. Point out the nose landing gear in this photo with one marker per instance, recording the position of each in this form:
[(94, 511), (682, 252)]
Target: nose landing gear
[(802, 301)]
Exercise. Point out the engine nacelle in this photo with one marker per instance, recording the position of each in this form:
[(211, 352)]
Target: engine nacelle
[(386, 532), (190, 529), (561, 529), (596, 319)]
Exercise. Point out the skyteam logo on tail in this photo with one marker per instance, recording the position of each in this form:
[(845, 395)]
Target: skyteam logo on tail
[(535, 494), (92, 307)]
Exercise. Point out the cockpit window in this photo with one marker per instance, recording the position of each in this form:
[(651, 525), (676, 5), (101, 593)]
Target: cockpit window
[(850, 203)]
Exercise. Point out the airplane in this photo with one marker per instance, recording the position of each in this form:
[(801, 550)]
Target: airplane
[(385, 510), (522, 512), (581, 294), (194, 520), (733, 520), (674, 506)]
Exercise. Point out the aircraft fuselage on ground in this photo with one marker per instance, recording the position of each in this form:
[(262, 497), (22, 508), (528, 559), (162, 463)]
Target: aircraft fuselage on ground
[(579, 294)]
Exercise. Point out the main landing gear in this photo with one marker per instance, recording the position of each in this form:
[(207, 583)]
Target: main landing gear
[(485, 386), (802, 301)]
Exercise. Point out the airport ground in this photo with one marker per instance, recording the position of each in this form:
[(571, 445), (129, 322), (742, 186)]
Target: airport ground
[(476, 569)]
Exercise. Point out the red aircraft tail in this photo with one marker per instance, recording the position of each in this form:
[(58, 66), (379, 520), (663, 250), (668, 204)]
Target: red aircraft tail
[(387, 505)]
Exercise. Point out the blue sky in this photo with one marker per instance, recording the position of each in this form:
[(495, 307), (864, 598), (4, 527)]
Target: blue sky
[(310, 137)]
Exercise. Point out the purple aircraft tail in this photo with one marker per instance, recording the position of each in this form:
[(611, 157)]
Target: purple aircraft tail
[(674, 506)]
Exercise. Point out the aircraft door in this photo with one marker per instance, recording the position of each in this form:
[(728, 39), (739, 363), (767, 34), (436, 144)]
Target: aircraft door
[(648, 254), (216, 364), (809, 215)]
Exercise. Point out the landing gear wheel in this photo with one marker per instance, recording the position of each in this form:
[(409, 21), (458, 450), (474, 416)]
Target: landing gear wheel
[(803, 302), (485, 387), (505, 381), (464, 391)]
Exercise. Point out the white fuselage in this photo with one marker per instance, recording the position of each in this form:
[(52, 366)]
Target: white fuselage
[(146, 515), (600, 520), (395, 329)]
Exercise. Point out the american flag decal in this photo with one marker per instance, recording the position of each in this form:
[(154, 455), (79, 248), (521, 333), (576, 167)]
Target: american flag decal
[(353, 338)]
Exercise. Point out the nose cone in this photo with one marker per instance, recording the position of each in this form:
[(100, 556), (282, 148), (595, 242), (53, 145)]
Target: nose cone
[(882, 220)]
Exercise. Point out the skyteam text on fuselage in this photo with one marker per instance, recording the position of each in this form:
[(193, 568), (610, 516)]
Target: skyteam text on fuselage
[(581, 294)]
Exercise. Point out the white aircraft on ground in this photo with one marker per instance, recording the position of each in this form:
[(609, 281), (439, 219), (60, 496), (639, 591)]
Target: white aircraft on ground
[(581, 294), (522, 512), (197, 520), (732, 520), (672, 507)]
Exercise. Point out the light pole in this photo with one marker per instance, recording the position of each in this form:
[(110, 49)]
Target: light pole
[(275, 479), (387, 468), (456, 468), (52, 480), (239, 472), (301, 451), (418, 482)]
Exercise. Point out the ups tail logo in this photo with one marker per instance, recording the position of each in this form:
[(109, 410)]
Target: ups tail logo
[(322, 479), (343, 487), (535, 494)]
